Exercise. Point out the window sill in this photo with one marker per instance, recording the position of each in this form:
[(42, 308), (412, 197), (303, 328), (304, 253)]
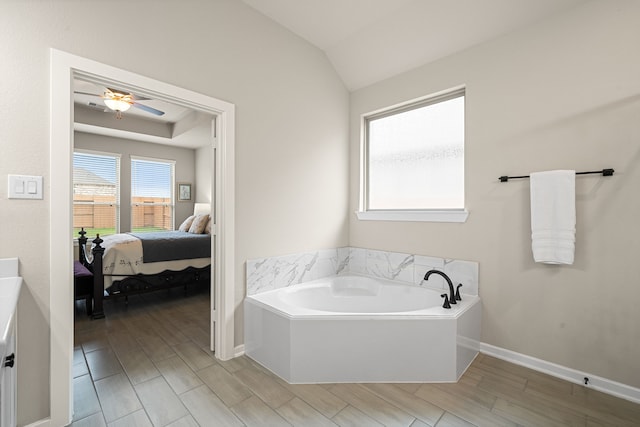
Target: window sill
[(450, 215)]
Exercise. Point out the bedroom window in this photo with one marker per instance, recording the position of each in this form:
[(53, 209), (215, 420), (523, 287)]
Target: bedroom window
[(412, 161), (152, 201), (96, 193)]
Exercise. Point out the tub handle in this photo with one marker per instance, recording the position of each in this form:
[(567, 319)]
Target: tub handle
[(446, 301), (458, 297)]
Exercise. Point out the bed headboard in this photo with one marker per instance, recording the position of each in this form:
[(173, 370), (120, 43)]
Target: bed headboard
[(201, 208)]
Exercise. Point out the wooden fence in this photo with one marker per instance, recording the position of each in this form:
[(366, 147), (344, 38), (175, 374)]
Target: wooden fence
[(102, 213)]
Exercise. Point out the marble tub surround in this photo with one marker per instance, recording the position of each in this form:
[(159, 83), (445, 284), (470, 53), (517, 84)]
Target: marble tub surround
[(408, 268), (266, 274), (381, 264), (465, 272)]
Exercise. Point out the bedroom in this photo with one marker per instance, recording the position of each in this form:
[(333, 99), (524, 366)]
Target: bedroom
[(128, 169), (566, 85)]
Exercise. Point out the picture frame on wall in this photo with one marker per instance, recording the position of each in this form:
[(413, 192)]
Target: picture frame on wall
[(184, 192)]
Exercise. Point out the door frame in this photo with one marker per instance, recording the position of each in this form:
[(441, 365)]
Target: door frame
[(64, 67)]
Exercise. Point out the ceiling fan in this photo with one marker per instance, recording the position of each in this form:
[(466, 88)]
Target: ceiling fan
[(120, 101)]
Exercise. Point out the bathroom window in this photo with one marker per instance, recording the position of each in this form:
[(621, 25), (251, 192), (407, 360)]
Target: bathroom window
[(413, 160), (152, 199), (96, 193)]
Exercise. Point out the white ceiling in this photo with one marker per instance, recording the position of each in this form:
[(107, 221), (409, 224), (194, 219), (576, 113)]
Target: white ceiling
[(370, 40)]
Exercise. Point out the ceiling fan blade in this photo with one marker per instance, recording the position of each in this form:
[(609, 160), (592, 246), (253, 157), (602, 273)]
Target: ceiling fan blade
[(140, 98), (148, 109), (124, 92), (117, 91), (87, 93), (98, 107)]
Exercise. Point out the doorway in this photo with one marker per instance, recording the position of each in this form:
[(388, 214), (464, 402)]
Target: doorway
[(64, 67)]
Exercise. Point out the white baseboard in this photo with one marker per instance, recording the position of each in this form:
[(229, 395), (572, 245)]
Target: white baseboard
[(40, 423), (578, 377), (238, 350)]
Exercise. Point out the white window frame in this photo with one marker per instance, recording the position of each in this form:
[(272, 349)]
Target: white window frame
[(172, 204), (118, 158), (425, 215)]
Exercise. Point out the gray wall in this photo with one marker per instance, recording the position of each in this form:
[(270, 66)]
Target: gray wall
[(562, 94), (184, 168), (291, 133)]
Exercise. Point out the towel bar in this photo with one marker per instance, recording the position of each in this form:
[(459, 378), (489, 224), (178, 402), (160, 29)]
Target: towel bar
[(604, 172)]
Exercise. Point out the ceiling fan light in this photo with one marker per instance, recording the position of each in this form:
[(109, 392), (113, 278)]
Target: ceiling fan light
[(117, 104)]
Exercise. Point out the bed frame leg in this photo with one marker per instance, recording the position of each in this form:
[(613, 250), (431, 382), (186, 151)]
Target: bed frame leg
[(98, 279), (88, 302)]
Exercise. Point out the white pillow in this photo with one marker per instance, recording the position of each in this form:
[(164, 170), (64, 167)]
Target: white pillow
[(187, 223), (199, 223)]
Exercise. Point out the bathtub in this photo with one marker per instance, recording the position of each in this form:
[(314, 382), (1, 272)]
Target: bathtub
[(361, 329)]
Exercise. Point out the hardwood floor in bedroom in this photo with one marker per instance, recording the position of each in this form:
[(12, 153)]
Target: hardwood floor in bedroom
[(148, 364)]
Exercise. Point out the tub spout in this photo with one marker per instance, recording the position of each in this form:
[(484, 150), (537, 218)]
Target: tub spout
[(452, 295)]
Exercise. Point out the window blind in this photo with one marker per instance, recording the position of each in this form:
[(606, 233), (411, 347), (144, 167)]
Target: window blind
[(152, 200), (96, 193)]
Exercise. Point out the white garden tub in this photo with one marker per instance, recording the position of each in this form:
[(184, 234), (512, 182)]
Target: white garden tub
[(361, 329)]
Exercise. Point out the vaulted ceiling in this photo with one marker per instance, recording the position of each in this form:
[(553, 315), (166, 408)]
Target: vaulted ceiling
[(371, 40), (366, 41)]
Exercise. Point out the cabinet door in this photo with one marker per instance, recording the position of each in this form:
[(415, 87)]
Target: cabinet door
[(8, 388)]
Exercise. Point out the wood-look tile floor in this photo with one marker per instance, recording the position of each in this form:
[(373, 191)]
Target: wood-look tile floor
[(149, 364)]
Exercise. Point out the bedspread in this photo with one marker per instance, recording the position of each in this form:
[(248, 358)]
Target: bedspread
[(123, 256), (173, 245)]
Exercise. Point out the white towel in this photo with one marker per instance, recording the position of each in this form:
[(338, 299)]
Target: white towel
[(553, 216)]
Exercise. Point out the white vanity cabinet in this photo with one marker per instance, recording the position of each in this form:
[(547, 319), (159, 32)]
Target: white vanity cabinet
[(10, 285), (8, 383)]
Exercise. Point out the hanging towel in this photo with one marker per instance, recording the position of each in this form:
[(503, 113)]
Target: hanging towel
[(553, 216)]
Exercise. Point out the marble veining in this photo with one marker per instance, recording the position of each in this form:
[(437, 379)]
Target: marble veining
[(357, 261), (389, 265), (265, 274)]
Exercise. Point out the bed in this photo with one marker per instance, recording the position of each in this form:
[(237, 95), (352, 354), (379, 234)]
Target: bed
[(130, 263)]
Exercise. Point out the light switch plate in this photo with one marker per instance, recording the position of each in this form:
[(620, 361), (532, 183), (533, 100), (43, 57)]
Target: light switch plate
[(25, 187)]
